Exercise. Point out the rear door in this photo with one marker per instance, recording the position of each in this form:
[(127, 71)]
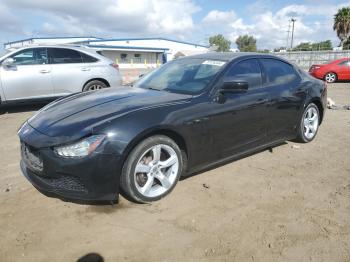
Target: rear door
[(286, 98), (69, 72), (29, 77)]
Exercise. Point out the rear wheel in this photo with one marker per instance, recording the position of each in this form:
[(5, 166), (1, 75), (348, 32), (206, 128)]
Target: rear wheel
[(94, 85), (309, 124), (152, 169), (330, 77)]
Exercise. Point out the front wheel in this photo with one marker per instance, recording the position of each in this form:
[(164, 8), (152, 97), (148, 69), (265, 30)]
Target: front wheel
[(330, 77), (309, 124), (152, 169), (94, 85)]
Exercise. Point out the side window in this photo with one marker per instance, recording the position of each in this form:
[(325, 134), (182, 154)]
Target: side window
[(88, 59), (278, 72), (344, 63), (248, 70), (64, 56), (33, 56)]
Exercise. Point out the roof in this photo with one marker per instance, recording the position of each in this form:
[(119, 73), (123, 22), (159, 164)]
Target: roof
[(128, 47), (147, 38), (57, 37), (229, 56)]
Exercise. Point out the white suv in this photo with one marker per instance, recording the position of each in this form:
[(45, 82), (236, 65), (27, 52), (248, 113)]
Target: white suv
[(47, 72)]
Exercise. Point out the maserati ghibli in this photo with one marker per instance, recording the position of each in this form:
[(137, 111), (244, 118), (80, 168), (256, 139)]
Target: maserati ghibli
[(188, 115)]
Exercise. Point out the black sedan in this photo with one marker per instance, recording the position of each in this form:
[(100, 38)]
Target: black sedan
[(188, 115)]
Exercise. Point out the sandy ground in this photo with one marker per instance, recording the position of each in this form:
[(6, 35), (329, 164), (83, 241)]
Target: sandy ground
[(289, 205)]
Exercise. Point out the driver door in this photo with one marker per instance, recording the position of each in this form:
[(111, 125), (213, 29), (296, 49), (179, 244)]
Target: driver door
[(28, 77), (238, 122)]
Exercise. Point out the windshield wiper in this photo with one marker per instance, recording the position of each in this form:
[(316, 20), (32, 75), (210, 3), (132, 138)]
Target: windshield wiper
[(152, 88)]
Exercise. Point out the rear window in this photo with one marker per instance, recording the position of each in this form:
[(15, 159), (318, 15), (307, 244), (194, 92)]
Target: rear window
[(64, 56), (88, 59)]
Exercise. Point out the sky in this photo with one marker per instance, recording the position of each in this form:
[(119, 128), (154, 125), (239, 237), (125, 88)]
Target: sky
[(188, 20)]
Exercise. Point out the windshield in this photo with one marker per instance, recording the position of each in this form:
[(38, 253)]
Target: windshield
[(187, 75)]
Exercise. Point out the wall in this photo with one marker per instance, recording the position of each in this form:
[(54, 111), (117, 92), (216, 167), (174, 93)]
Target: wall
[(116, 55), (305, 59)]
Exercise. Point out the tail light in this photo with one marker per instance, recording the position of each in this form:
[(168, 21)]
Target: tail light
[(313, 68), (115, 66)]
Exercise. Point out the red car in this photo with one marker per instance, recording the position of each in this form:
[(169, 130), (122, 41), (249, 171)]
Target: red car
[(333, 71)]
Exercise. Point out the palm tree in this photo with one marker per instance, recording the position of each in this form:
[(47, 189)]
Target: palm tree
[(342, 24)]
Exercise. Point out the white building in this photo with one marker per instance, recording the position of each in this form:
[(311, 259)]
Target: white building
[(142, 53), (46, 40)]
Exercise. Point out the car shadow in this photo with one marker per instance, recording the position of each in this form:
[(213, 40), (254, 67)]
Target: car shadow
[(233, 159), (11, 109), (107, 206)]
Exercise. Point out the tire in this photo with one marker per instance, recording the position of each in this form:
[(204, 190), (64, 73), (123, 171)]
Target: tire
[(160, 162), (331, 77), (309, 124), (94, 85)]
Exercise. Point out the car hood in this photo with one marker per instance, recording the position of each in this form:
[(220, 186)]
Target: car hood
[(76, 115)]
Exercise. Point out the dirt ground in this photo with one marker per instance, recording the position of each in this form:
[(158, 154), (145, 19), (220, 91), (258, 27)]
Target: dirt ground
[(292, 204)]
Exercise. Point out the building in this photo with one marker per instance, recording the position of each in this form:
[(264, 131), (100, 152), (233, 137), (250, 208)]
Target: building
[(46, 40), (129, 53)]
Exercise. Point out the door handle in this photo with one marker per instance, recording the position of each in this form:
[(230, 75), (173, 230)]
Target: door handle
[(44, 71), (85, 69)]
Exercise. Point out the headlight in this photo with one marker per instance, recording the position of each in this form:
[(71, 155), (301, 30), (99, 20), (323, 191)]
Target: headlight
[(80, 149)]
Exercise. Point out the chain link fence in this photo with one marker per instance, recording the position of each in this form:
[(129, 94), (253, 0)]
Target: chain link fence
[(305, 59)]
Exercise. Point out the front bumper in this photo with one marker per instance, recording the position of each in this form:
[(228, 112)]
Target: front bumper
[(92, 178)]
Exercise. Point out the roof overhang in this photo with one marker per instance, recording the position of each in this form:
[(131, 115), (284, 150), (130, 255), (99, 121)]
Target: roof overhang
[(129, 48)]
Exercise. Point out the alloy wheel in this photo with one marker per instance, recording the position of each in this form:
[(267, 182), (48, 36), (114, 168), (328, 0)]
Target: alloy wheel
[(310, 123), (94, 87), (156, 170), (330, 77)]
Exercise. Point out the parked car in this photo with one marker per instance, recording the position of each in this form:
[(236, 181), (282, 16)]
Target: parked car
[(333, 71), (48, 72), (187, 115)]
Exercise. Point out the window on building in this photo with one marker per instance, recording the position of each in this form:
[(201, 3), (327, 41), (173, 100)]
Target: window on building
[(123, 56), (137, 55)]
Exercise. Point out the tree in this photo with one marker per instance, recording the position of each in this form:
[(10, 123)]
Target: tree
[(221, 42), (346, 44), (342, 24), (246, 43), (323, 45), (303, 47), (279, 49)]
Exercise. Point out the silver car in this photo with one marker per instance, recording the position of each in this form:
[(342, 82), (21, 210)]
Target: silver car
[(47, 72)]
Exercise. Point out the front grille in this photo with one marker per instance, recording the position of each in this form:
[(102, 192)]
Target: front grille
[(31, 158), (63, 182), (67, 183)]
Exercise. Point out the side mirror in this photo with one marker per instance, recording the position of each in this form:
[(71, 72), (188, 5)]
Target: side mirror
[(231, 86), (8, 61)]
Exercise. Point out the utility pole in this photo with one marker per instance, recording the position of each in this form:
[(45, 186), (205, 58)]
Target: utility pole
[(291, 42), (287, 44)]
